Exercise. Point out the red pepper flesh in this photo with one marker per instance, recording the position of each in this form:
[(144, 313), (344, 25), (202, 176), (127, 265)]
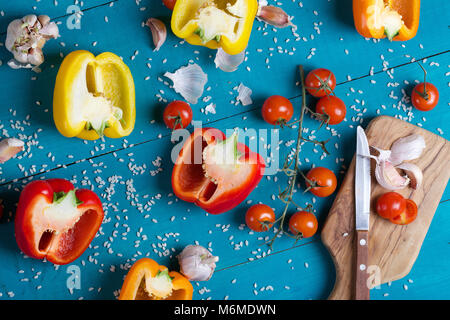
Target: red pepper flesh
[(55, 221), (215, 187)]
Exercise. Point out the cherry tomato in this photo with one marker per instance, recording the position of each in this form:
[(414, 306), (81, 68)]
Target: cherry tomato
[(390, 204), (425, 96), (333, 107), (325, 179), (395, 208), (177, 115), (408, 215), (260, 217), (320, 82), (303, 222), (169, 3), (277, 110)]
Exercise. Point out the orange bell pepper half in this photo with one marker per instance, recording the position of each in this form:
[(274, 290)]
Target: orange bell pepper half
[(216, 173), (55, 221), (396, 19), (147, 280)]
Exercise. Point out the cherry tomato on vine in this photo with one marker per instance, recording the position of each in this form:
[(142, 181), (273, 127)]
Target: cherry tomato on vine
[(177, 115), (390, 204), (324, 179), (320, 82), (260, 217), (395, 208), (425, 96), (333, 107), (277, 110), (169, 3), (304, 223)]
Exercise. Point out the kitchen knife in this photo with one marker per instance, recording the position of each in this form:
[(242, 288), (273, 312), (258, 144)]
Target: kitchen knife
[(362, 215)]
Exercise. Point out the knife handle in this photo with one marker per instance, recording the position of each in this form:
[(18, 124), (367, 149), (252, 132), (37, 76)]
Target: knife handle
[(362, 291)]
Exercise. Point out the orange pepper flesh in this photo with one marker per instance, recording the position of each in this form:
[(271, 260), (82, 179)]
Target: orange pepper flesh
[(132, 288), (408, 9)]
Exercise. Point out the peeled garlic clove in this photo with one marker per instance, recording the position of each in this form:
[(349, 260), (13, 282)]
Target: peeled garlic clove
[(244, 95), (9, 148), (407, 148), (159, 32), (388, 177), (274, 16), (413, 172), (189, 81), (227, 62), (197, 263)]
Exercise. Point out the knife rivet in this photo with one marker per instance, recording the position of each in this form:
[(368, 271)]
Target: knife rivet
[(362, 242), (362, 267)]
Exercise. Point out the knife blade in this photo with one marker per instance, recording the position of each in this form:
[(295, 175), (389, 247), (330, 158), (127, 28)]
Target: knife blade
[(362, 181), (362, 215)]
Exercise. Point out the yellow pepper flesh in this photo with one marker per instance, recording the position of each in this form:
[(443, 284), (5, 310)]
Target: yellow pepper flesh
[(85, 87), (185, 26)]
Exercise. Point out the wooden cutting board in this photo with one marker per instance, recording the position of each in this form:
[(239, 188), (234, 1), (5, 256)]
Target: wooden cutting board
[(392, 248)]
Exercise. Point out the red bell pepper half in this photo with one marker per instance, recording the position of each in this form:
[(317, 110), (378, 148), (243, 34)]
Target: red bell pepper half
[(214, 172), (55, 221)]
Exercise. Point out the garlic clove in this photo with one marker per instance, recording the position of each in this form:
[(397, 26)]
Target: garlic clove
[(388, 177), (227, 62), (197, 263), (413, 172), (407, 148), (159, 32), (274, 16), (244, 95), (189, 81), (44, 20), (9, 148)]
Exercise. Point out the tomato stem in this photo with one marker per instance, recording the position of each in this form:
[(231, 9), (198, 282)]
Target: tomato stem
[(424, 94)]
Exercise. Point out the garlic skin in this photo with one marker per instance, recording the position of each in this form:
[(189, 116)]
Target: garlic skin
[(159, 32), (274, 16), (227, 62), (244, 95), (407, 148), (9, 148), (25, 39), (197, 263), (189, 81)]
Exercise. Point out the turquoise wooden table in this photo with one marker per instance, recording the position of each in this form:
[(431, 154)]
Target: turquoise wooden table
[(132, 175)]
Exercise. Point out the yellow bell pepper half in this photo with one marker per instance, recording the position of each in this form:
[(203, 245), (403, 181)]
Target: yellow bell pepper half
[(94, 96), (215, 23)]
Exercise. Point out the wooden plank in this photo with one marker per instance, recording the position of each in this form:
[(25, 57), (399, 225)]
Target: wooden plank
[(392, 248)]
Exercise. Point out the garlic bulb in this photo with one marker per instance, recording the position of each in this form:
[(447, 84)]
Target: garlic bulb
[(407, 148), (197, 263), (227, 62), (189, 81), (159, 32), (25, 39), (9, 148)]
